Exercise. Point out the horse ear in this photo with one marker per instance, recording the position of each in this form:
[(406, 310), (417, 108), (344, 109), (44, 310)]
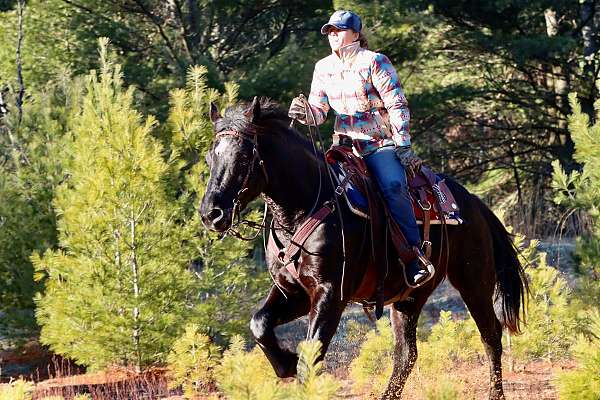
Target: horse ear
[(253, 112), (214, 112)]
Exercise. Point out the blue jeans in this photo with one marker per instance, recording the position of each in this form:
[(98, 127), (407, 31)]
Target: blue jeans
[(391, 177)]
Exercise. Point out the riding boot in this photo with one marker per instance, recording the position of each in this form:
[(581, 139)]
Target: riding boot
[(419, 270)]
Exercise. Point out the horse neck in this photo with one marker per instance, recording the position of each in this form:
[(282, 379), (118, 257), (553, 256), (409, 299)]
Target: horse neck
[(294, 173)]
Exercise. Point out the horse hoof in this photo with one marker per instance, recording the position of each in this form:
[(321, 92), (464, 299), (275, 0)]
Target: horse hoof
[(288, 368)]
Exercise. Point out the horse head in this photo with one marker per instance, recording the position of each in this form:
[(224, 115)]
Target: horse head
[(237, 174)]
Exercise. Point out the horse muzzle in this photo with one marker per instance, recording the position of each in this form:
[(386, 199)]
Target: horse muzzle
[(217, 219)]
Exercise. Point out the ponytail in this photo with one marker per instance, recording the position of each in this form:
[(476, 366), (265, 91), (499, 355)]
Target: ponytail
[(364, 43)]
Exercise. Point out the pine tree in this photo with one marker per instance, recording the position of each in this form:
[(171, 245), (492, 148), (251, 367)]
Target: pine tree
[(231, 284), (581, 190), (117, 290), (247, 375), (31, 167), (312, 383)]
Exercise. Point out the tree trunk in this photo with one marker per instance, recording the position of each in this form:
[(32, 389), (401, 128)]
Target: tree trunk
[(556, 78), (562, 142), (590, 22), (3, 106), (136, 294), (21, 93)]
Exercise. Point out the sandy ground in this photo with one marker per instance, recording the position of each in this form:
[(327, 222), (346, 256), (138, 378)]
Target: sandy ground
[(532, 381)]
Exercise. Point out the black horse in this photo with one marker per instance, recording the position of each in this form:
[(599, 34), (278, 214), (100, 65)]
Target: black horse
[(256, 153)]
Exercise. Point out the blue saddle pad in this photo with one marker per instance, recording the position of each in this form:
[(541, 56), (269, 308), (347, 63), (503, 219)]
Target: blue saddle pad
[(356, 200)]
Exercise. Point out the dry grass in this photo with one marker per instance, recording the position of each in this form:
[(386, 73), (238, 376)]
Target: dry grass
[(114, 384)]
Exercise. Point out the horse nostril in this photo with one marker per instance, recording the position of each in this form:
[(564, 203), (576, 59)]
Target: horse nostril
[(215, 215)]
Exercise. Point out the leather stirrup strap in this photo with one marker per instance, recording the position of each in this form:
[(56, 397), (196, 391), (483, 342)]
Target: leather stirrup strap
[(426, 207)]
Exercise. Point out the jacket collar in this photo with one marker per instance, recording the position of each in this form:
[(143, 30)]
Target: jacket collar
[(347, 52)]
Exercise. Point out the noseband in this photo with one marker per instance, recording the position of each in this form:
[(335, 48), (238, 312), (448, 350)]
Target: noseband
[(236, 202)]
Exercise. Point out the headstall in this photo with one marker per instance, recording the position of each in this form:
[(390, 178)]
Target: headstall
[(236, 202)]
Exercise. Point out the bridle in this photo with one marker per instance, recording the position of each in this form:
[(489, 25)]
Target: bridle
[(236, 201), (260, 227)]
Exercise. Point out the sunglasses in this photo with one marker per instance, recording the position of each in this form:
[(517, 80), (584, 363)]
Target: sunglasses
[(335, 30)]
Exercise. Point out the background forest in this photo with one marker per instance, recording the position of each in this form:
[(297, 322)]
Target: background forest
[(103, 129)]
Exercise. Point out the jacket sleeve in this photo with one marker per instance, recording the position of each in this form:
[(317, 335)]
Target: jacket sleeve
[(319, 103), (386, 81)]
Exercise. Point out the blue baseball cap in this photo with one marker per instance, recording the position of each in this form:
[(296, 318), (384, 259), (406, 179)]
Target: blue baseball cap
[(343, 19)]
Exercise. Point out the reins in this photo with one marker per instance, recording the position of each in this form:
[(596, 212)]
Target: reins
[(335, 197)]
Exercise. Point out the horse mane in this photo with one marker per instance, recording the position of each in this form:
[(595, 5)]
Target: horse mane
[(269, 110), (234, 117), (273, 120)]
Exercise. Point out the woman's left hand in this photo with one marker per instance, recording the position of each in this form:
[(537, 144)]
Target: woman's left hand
[(411, 162), (297, 110)]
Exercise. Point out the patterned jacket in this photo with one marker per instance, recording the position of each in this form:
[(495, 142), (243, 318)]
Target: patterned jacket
[(363, 89)]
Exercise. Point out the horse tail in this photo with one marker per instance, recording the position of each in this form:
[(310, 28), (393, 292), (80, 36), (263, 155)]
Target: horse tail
[(511, 282)]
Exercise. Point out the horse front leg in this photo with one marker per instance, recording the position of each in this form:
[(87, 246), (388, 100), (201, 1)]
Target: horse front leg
[(325, 314), (278, 310)]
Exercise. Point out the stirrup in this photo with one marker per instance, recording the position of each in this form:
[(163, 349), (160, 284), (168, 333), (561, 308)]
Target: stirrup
[(426, 263)]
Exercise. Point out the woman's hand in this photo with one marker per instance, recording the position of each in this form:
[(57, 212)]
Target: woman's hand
[(298, 110), (411, 162)]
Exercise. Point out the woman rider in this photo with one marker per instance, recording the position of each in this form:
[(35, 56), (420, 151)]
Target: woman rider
[(363, 89)]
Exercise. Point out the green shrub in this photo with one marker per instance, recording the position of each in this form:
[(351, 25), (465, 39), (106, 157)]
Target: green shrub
[(355, 332), (312, 383), (373, 366), (551, 323), (451, 340), (192, 361), (17, 390), (443, 388), (247, 375), (583, 383)]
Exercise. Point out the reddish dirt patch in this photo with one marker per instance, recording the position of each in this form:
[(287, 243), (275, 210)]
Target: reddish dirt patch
[(532, 381)]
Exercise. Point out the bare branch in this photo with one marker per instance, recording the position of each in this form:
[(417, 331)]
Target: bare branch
[(158, 24), (21, 93)]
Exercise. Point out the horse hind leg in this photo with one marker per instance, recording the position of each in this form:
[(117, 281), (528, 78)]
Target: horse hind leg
[(481, 308)]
